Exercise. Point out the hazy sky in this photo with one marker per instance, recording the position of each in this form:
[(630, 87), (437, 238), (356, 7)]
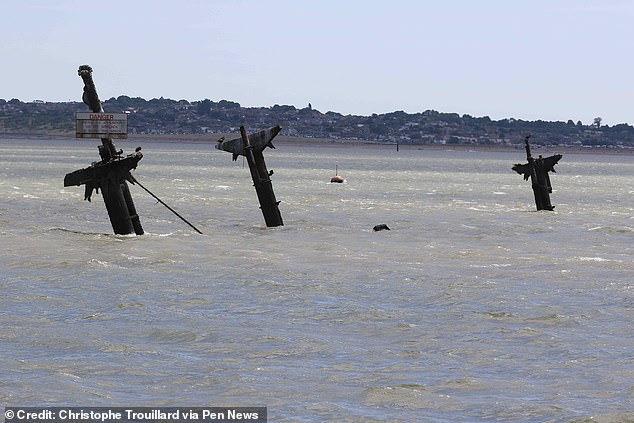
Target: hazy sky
[(529, 59)]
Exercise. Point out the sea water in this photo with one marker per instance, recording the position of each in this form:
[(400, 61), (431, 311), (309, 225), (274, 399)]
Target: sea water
[(474, 307)]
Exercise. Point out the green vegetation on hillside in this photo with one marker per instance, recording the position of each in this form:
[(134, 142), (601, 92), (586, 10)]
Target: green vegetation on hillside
[(165, 116)]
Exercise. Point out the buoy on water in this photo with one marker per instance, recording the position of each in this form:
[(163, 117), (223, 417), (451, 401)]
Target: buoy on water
[(336, 179)]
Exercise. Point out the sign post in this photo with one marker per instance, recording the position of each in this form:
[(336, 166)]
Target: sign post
[(101, 125)]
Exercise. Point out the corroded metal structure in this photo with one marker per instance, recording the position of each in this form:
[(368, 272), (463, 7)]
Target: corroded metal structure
[(110, 173), (251, 147), (537, 170)]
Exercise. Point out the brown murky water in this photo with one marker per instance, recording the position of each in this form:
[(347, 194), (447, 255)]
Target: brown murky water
[(472, 308)]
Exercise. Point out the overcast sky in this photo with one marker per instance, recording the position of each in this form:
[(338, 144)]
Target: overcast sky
[(528, 59)]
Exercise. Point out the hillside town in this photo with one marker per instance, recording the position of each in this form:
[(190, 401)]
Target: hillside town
[(166, 116)]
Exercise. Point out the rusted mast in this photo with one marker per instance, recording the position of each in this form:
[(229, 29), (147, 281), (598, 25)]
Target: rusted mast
[(111, 173), (262, 182), (537, 170), (251, 146), (539, 202)]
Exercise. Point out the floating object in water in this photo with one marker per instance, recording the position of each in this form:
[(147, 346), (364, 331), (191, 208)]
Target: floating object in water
[(336, 179), (381, 227)]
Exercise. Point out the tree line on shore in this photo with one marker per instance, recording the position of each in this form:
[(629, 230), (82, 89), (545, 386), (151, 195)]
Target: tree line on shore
[(166, 116)]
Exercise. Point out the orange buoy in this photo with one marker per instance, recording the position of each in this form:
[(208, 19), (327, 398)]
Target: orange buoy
[(336, 179)]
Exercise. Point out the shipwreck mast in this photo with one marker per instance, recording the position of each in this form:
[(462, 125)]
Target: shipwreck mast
[(537, 170), (251, 147), (111, 173)]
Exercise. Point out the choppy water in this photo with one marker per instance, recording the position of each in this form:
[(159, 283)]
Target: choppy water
[(473, 308)]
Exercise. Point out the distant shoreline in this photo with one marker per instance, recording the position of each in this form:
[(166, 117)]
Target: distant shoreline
[(347, 143)]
